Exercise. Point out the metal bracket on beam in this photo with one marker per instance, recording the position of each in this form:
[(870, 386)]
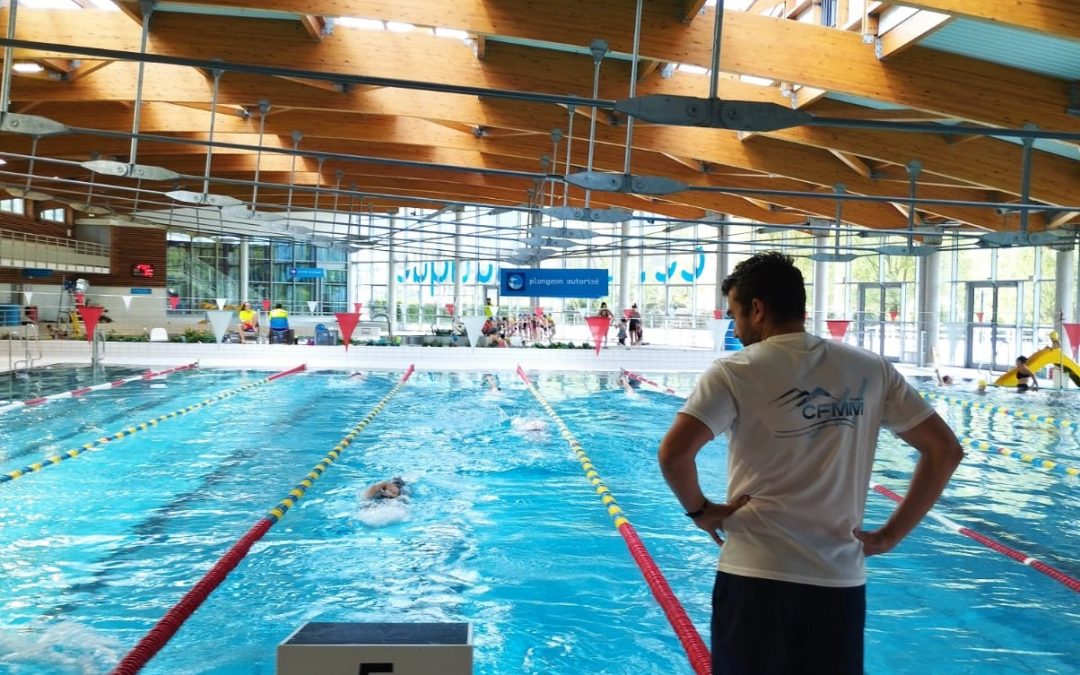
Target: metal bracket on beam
[(1074, 99), (689, 111), (621, 182)]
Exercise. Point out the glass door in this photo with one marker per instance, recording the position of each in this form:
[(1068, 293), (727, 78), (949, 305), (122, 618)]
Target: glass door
[(877, 326), (993, 318)]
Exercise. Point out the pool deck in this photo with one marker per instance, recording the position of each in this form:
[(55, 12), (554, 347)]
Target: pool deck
[(645, 358)]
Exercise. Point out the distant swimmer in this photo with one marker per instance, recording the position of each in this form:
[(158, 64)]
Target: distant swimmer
[(627, 385), (492, 383), (943, 380), (528, 424), (386, 489), (358, 376)]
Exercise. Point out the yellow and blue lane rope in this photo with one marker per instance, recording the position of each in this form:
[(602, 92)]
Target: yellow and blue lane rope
[(278, 512), (1001, 410), (128, 431), (1033, 460)]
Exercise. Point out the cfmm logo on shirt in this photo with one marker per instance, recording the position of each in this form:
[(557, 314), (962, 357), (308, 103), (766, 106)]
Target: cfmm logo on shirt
[(817, 409)]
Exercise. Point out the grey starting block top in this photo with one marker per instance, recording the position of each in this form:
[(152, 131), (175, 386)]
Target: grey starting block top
[(327, 633)]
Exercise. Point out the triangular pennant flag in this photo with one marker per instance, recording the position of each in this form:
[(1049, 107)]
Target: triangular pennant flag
[(474, 328), (598, 326), (838, 327), (311, 305), (347, 324), (127, 301), (29, 295), (90, 316), (266, 305), (358, 306), (219, 320), (719, 332), (1072, 331), (174, 300), (220, 303)]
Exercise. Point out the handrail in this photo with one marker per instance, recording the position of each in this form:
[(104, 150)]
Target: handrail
[(99, 338), (87, 247), (389, 325)]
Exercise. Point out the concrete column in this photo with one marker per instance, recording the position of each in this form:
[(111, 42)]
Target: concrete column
[(245, 270), (391, 283), (821, 297), (929, 309), (1063, 288), (624, 272), (723, 263), (459, 215)]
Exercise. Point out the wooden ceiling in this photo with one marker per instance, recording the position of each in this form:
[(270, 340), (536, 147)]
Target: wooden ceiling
[(488, 149)]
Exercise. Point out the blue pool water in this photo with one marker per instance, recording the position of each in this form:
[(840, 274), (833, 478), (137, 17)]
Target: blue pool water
[(502, 529)]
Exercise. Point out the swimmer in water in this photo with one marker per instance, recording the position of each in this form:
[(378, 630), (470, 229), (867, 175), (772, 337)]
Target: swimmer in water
[(527, 424), (492, 383), (386, 489)]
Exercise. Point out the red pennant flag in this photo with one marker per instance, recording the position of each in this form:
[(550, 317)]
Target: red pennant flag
[(1072, 330), (347, 324), (450, 308), (174, 300), (90, 316), (598, 326), (838, 327), (718, 314), (266, 305), (357, 306)]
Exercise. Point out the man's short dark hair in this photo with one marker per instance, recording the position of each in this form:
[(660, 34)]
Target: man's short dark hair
[(773, 279)]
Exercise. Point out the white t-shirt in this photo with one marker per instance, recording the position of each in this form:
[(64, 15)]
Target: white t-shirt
[(803, 416)]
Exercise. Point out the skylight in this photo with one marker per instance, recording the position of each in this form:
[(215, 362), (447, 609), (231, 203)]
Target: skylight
[(692, 69), (50, 4), (363, 24), (106, 5), (27, 67), (399, 27), (451, 33)]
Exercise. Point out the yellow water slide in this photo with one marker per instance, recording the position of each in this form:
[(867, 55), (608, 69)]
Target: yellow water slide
[(1047, 356)]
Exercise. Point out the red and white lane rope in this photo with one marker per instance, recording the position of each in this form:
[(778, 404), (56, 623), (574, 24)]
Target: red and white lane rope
[(688, 635), (1023, 559), (97, 387), (1034, 563)]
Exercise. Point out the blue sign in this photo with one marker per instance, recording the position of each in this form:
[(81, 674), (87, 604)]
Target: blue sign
[(581, 283), (35, 272), (307, 272), (140, 291)]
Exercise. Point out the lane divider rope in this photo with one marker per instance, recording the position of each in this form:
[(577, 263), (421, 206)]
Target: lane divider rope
[(1034, 461), (640, 378), (1001, 410), (1023, 559), (128, 431), (992, 544), (97, 387), (688, 635), (169, 624)]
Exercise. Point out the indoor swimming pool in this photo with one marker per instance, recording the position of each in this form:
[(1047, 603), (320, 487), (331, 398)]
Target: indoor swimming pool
[(501, 528)]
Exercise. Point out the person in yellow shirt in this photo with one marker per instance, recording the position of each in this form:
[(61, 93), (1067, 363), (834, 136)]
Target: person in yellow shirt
[(249, 323)]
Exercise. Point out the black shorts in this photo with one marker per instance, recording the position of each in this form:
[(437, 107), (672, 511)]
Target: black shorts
[(766, 627)]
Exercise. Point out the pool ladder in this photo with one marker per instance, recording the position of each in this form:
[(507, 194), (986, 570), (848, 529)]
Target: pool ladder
[(97, 348), (389, 326), (28, 338)]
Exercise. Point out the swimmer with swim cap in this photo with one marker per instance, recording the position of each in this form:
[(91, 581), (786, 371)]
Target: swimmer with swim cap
[(386, 489)]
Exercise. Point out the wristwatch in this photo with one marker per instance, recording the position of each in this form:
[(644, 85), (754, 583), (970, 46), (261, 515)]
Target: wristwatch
[(700, 512)]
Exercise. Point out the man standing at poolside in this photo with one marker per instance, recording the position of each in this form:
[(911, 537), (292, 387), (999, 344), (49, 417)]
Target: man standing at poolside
[(803, 416)]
